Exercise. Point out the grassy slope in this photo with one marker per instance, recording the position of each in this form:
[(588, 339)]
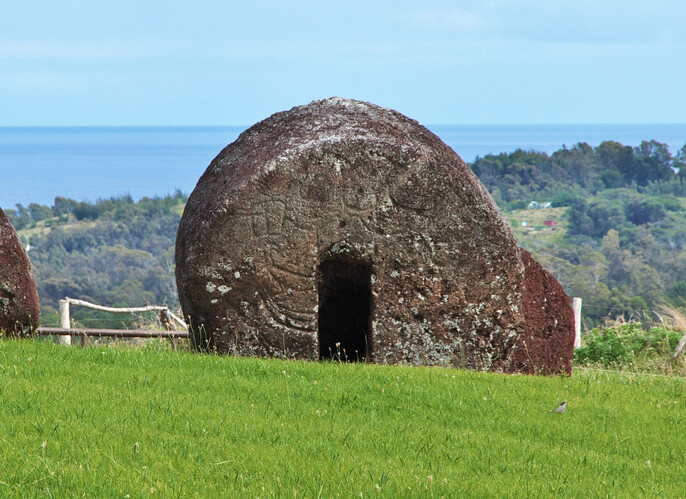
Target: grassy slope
[(45, 226), (113, 421), (535, 235)]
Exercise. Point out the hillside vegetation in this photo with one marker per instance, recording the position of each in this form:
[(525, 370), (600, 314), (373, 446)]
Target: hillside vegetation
[(618, 241), (619, 238), (114, 422), (113, 252)]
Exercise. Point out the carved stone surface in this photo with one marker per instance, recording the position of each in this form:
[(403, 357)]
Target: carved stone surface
[(341, 228), (19, 307)]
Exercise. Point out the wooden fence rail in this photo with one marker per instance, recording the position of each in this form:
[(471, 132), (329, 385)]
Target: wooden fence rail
[(111, 333), (66, 332), (84, 333)]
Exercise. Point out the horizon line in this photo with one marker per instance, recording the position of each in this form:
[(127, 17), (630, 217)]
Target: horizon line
[(426, 125)]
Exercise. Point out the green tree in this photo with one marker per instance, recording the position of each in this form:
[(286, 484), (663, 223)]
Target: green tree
[(642, 211), (653, 162), (594, 219), (39, 212), (20, 217), (579, 221), (63, 206), (577, 164), (606, 215), (615, 163)]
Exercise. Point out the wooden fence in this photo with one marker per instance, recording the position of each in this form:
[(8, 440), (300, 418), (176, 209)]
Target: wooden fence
[(66, 333)]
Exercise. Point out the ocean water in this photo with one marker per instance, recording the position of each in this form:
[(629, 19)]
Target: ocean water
[(89, 163)]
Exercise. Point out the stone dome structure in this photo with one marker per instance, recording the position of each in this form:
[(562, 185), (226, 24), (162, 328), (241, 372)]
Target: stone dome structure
[(19, 306), (343, 229)]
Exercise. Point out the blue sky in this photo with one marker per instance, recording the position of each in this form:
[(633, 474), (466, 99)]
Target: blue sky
[(234, 63)]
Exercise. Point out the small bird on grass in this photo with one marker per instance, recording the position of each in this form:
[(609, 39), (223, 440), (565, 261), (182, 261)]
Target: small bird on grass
[(561, 409)]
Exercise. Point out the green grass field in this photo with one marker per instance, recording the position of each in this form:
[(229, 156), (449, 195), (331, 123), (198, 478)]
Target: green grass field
[(126, 422)]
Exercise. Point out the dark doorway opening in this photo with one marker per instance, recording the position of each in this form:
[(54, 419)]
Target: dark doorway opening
[(345, 297)]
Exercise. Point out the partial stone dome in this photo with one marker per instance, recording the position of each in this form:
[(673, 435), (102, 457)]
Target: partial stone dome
[(19, 306)]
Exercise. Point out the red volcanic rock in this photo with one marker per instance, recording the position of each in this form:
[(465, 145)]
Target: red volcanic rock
[(341, 228), (19, 307), (547, 345)]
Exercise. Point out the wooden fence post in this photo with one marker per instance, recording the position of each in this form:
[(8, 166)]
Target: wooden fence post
[(576, 306), (65, 321), (166, 320)]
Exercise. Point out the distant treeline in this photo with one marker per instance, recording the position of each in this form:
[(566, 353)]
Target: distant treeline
[(580, 172), (115, 208)]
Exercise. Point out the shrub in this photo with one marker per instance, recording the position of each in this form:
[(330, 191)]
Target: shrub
[(643, 211), (565, 198), (518, 204), (670, 203), (626, 343)]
